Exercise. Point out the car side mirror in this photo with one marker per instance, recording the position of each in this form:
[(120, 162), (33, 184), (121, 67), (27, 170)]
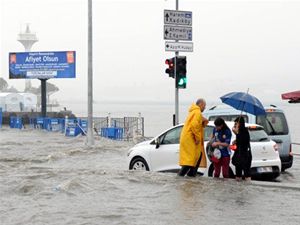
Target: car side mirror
[(157, 143)]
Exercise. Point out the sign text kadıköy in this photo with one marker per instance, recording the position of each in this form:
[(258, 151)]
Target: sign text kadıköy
[(176, 17)]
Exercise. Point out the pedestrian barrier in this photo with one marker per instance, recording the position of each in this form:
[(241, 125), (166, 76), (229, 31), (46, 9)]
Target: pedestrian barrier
[(127, 127), (72, 128), (54, 124), (32, 122), (114, 128), (82, 124), (50, 124), (72, 131), (16, 122), (115, 133), (40, 123)]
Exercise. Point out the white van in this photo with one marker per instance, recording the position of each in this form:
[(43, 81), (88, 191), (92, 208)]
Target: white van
[(274, 123)]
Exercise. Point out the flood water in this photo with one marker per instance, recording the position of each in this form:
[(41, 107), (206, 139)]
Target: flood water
[(47, 178)]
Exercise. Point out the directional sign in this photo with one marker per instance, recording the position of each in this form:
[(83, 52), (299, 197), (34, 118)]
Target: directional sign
[(42, 65), (176, 17), (179, 46), (177, 33)]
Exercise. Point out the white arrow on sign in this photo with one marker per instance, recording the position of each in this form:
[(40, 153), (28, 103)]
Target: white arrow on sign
[(178, 33), (179, 46), (176, 17)]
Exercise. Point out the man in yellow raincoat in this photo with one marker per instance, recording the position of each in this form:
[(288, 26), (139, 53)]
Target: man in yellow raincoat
[(192, 154)]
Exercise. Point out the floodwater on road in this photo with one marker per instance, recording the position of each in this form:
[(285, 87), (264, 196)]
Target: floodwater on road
[(47, 178)]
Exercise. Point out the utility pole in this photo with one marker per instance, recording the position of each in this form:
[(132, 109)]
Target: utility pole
[(90, 137), (176, 88)]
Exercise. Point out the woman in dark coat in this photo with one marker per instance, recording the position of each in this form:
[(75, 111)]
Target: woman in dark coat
[(242, 157)]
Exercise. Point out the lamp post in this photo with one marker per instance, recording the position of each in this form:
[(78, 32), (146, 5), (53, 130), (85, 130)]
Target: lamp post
[(90, 137)]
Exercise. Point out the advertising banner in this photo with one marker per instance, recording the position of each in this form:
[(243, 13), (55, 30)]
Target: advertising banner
[(42, 65)]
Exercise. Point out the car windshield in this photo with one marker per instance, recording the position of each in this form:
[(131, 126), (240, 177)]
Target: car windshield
[(257, 134), (274, 123)]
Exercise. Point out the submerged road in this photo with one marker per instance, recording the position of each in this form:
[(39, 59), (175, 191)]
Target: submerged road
[(47, 178)]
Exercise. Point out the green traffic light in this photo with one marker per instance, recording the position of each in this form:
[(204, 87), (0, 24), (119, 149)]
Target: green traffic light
[(181, 82)]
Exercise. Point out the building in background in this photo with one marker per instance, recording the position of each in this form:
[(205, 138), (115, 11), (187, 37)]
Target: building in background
[(18, 102)]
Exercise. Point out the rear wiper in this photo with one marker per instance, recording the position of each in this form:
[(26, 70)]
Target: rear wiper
[(263, 139), (270, 124)]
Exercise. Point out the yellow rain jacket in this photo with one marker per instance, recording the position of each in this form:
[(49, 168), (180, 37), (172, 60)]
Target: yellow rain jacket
[(192, 132)]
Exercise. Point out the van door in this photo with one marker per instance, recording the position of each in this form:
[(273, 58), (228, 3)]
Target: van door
[(275, 125)]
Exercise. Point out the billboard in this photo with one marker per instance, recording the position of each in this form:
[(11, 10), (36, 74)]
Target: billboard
[(42, 65)]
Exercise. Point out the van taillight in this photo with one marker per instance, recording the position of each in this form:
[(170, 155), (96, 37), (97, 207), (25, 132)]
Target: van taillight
[(290, 153)]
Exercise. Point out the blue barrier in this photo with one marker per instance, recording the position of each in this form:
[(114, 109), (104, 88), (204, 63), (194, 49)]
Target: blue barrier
[(40, 122), (54, 124), (32, 122), (72, 128), (47, 123), (62, 124), (83, 125), (115, 133), (15, 122)]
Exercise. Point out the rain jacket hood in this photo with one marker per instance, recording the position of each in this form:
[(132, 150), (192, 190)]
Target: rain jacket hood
[(194, 107), (192, 140)]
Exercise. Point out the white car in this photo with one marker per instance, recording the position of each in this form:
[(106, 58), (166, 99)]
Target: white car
[(162, 152)]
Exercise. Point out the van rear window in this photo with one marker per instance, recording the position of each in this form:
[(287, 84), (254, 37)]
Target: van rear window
[(258, 134), (274, 123), (227, 117)]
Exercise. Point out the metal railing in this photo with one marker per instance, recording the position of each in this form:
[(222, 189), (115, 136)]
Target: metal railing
[(132, 126)]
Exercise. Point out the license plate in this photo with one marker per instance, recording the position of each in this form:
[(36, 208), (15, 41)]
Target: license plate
[(264, 169)]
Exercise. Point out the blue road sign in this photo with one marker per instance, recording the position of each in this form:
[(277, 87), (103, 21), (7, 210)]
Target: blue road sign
[(42, 65)]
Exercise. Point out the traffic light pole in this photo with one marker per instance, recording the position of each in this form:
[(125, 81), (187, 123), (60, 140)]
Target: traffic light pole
[(176, 88)]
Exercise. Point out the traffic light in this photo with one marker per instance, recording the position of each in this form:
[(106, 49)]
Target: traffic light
[(181, 72), (171, 63)]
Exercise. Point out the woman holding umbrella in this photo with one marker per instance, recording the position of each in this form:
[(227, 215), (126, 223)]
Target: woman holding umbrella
[(242, 156), (246, 103)]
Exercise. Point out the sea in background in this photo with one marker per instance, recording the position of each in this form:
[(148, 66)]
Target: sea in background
[(158, 115)]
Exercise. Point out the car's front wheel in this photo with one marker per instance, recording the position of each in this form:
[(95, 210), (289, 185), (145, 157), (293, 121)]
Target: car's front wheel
[(139, 163)]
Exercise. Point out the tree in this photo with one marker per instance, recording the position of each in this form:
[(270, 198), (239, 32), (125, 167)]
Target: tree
[(33, 90), (3, 84), (51, 88)]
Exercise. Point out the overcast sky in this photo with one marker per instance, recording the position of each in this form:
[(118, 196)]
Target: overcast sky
[(237, 45)]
